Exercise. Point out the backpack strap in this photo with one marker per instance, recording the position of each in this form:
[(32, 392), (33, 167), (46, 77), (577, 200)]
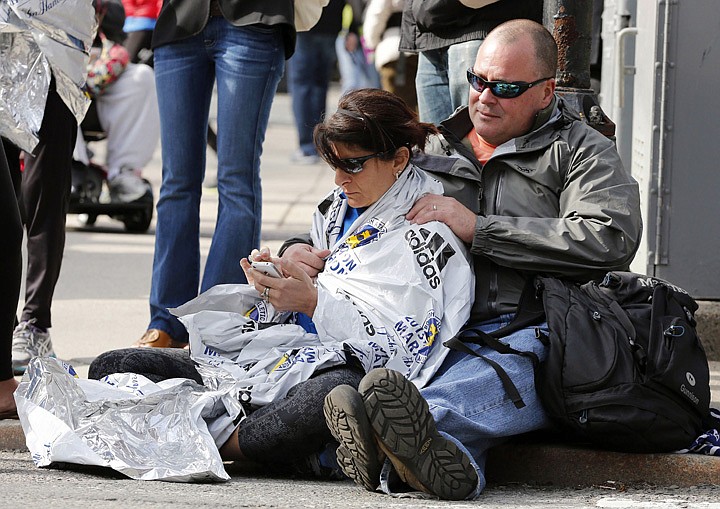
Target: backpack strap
[(508, 385), (530, 312), (637, 350)]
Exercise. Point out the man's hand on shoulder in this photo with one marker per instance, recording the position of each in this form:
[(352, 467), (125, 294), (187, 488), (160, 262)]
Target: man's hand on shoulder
[(434, 207)]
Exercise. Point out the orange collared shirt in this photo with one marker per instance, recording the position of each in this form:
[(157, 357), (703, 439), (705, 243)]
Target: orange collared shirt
[(481, 148)]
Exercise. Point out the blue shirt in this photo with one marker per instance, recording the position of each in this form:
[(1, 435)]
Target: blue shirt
[(351, 215), (138, 24)]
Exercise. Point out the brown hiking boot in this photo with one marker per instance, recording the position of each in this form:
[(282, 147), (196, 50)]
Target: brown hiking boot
[(357, 454), (407, 434)]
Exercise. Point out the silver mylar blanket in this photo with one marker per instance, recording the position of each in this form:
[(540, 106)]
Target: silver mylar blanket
[(40, 38), (144, 430), (389, 295)]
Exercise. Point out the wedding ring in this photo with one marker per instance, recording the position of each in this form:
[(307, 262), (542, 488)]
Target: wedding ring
[(266, 294)]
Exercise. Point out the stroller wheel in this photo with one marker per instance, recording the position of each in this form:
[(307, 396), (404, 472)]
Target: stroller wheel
[(87, 219), (138, 221)]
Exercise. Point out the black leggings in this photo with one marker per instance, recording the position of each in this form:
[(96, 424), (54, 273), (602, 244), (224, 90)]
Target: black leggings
[(276, 435), (11, 266), (46, 184)]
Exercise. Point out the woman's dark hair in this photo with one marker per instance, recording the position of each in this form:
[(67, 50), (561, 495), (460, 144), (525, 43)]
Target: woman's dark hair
[(374, 120)]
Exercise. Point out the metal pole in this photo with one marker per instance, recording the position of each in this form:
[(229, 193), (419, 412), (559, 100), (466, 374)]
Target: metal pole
[(570, 22)]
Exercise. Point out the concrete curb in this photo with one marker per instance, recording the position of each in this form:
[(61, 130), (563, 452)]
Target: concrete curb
[(12, 436), (562, 465)]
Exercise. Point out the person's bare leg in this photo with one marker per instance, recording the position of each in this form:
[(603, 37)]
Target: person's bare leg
[(7, 401), (230, 450)]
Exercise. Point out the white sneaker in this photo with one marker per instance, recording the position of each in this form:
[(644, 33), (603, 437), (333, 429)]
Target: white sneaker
[(126, 186), (28, 342)]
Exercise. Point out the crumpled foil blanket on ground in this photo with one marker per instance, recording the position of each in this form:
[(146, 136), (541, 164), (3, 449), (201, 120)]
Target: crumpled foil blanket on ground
[(145, 430)]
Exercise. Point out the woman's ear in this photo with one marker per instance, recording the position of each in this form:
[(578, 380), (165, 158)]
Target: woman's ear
[(401, 159)]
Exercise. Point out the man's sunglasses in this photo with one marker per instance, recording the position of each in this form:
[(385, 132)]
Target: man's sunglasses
[(501, 89), (354, 165)]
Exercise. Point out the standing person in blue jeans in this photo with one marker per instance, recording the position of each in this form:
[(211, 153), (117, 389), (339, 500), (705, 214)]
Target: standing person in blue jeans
[(241, 45), (447, 34), (309, 72), (550, 196)]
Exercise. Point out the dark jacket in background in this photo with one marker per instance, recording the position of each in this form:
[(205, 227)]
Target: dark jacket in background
[(180, 19), (330, 21), (434, 24)]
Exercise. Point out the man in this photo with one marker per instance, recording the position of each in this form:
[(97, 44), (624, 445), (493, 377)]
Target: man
[(126, 107), (550, 196)]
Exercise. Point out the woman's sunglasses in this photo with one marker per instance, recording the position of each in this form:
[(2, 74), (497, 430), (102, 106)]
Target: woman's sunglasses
[(354, 165), (501, 89)]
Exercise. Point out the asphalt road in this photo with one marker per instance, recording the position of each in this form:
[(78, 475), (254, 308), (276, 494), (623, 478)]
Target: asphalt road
[(25, 486)]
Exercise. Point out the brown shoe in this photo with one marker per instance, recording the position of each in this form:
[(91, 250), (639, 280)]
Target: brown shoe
[(155, 338)]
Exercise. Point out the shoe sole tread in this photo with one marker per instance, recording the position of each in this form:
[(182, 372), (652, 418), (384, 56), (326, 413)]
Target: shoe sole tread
[(401, 419), (357, 455)]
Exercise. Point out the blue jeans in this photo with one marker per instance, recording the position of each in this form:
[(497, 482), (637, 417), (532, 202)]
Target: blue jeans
[(355, 71), (441, 80), (308, 79), (469, 403), (247, 63)]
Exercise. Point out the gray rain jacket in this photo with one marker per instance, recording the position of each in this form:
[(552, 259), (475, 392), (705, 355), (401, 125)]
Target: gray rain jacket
[(555, 201)]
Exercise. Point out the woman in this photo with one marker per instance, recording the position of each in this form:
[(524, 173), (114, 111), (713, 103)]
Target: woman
[(238, 46), (388, 294)]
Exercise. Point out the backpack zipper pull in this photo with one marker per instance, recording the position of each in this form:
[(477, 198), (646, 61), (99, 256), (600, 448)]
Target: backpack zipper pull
[(674, 331), (583, 417)]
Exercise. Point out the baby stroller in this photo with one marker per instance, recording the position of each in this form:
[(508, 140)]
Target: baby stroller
[(90, 197)]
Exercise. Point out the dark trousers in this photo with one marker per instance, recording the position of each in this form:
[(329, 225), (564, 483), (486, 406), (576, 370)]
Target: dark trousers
[(45, 192), (136, 42), (277, 435), (11, 264), (309, 72)]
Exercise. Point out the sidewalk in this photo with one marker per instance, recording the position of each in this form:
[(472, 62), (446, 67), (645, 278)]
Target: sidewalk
[(101, 304)]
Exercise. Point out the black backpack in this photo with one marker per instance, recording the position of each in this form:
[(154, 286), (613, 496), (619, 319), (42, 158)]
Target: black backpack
[(625, 368)]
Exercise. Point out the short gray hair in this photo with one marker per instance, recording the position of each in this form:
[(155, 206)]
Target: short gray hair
[(546, 50)]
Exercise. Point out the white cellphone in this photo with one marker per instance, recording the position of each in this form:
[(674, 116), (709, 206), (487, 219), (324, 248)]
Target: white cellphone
[(267, 268)]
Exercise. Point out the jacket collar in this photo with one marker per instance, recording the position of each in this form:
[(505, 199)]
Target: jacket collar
[(456, 127)]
